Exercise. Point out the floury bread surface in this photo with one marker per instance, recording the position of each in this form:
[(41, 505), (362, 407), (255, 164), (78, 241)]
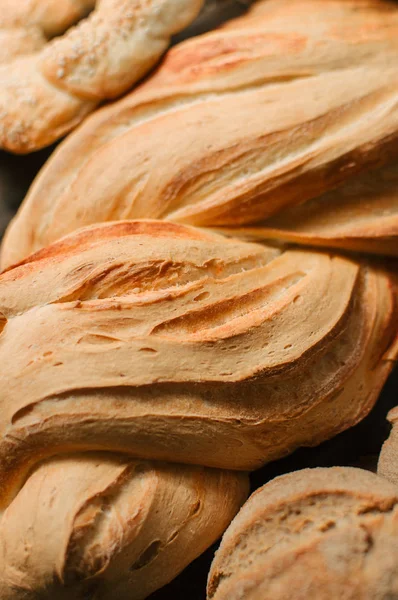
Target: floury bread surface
[(130, 347), (317, 534), (240, 125), (52, 77), (103, 526), (187, 347), (176, 344)]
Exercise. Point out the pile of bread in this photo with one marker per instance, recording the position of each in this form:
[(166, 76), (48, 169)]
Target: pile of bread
[(201, 279)]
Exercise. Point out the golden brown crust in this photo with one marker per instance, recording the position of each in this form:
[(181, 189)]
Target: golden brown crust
[(361, 215), (104, 526), (47, 85), (324, 533), (164, 342), (179, 345), (270, 111)]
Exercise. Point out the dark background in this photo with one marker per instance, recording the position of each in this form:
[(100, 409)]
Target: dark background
[(358, 446)]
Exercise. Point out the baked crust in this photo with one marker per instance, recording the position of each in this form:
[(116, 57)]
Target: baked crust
[(129, 347), (240, 125), (388, 461), (314, 534), (177, 344), (52, 75), (104, 526), (361, 215)]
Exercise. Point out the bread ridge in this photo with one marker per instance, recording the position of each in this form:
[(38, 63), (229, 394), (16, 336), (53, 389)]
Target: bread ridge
[(269, 112), (101, 525), (52, 75)]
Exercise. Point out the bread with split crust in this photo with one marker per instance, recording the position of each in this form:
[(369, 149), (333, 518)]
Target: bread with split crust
[(275, 109)]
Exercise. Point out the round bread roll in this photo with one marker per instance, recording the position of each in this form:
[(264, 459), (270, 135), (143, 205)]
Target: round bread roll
[(314, 534), (51, 77), (241, 125)]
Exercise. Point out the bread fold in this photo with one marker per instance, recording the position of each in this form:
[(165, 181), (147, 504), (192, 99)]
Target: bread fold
[(273, 120), (58, 62), (147, 366), (103, 526)]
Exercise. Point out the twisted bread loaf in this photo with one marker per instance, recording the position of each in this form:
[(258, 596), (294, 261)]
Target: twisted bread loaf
[(47, 86), (315, 534), (180, 345), (97, 526), (241, 124), (173, 344)]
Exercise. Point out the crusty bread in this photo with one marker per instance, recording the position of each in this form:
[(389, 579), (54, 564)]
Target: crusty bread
[(129, 347), (316, 534), (360, 215), (47, 85), (176, 344), (108, 527), (275, 109)]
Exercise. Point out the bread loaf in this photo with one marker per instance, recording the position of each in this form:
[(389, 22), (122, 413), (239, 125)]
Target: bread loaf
[(147, 365), (241, 125), (133, 342), (176, 344), (315, 534), (49, 81), (102, 526)]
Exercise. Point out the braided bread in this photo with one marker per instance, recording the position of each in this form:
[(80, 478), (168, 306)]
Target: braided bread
[(278, 107), (181, 345), (314, 534), (48, 84), (172, 344), (100, 526)]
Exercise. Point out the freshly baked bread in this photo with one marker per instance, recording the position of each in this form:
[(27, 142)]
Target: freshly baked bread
[(100, 526), (360, 215), (129, 347), (316, 534), (277, 108), (388, 460), (175, 344), (49, 82)]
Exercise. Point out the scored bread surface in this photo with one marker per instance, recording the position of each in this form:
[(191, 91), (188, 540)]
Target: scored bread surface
[(147, 365), (276, 108), (104, 526), (173, 343)]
